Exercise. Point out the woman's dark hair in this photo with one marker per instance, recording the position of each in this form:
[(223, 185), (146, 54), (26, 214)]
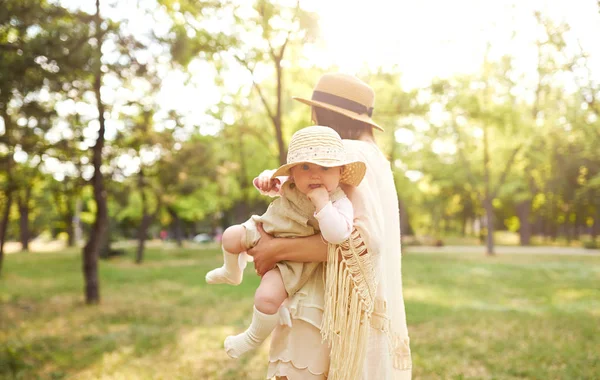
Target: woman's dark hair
[(346, 127)]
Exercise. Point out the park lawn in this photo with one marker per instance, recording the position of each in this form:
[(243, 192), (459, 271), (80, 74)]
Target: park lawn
[(470, 317)]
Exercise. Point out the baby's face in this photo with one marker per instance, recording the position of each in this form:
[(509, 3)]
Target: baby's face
[(311, 176)]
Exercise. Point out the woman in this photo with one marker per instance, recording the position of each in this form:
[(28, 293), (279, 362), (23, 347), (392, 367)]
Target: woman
[(359, 307)]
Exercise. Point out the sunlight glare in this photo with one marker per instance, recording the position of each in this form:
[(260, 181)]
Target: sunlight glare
[(435, 38)]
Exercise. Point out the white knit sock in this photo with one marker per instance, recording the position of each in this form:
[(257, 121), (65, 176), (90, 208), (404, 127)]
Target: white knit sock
[(260, 328), (230, 273)]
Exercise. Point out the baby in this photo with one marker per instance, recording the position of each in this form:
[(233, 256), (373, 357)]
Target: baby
[(309, 201)]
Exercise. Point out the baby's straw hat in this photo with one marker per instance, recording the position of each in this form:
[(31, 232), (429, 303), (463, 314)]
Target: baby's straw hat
[(322, 146)]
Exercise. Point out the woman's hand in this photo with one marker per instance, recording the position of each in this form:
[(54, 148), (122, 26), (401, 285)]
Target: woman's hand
[(264, 253)]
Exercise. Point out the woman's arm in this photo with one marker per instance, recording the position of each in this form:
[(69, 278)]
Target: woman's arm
[(270, 250)]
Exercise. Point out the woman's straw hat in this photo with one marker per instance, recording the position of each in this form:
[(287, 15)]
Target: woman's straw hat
[(344, 94), (322, 146)]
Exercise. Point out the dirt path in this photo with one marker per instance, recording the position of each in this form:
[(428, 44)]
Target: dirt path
[(35, 246), (507, 250)]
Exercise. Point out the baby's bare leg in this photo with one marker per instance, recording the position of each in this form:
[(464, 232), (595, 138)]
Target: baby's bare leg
[(233, 242), (267, 299), (270, 293), (233, 239)]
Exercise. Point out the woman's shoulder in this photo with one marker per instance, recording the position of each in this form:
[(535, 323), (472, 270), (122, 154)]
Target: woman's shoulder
[(353, 144), (357, 146), (363, 149)]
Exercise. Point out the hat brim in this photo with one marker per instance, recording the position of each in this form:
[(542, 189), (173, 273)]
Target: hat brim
[(353, 115), (353, 174)]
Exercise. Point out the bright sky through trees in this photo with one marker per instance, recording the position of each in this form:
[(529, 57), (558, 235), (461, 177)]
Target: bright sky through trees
[(425, 39), (440, 38)]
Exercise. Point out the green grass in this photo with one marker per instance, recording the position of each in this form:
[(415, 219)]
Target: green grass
[(470, 317)]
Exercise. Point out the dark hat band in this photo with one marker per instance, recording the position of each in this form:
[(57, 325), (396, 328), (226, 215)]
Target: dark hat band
[(344, 103)]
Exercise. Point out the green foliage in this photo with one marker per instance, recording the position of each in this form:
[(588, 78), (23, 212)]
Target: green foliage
[(188, 39), (160, 163)]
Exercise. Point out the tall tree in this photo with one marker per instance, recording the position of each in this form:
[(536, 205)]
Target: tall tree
[(91, 250), (7, 203), (140, 140), (40, 44), (262, 37), (482, 117), (282, 28), (34, 120)]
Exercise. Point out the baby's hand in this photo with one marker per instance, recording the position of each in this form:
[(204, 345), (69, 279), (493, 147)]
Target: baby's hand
[(265, 183), (319, 197)]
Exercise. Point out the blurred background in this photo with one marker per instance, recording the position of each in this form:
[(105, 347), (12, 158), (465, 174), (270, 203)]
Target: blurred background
[(131, 132)]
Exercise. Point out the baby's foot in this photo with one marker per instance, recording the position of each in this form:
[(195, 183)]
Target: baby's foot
[(231, 272), (260, 328), (222, 276), (237, 345)]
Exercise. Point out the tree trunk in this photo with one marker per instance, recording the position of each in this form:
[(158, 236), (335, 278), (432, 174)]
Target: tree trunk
[(524, 212), (142, 233), (596, 225), (277, 121), (77, 230), (9, 189), (177, 227), (23, 203), (70, 222), (143, 230), (489, 215), (553, 226), (487, 201), (92, 248), (70, 231), (405, 227), (577, 224), (566, 229), (243, 180), (24, 227), (4, 226)]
